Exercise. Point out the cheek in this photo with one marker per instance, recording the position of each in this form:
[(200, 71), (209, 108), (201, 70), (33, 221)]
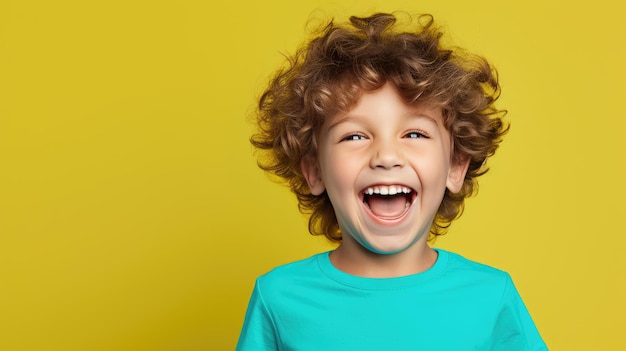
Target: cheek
[(339, 171), (339, 176), (433, 171)]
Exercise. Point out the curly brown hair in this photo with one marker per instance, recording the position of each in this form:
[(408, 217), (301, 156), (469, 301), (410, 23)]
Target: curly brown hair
[(329, 73)]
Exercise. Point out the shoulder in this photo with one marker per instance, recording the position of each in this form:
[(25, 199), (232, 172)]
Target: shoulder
[(285, 271), (461, 265), (493, 294), (295, 274), (473, 275)]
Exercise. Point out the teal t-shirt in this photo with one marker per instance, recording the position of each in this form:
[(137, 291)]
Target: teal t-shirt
[(457, 304)]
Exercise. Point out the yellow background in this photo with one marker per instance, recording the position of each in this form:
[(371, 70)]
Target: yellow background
[(132, 214)]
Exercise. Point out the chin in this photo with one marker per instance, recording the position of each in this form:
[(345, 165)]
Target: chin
[(389, 248)]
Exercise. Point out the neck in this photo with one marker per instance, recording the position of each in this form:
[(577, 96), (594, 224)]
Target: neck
[(352, 258)]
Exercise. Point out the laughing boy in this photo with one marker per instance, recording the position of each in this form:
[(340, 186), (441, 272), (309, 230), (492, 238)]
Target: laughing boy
[(381, 133)]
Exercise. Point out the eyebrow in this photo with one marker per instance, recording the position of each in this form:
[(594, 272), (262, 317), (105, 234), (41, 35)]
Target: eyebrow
[(341, 120), (424, 116)]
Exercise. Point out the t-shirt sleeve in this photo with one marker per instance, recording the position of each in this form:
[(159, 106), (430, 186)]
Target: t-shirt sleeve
[(514, 329), (258, 332)]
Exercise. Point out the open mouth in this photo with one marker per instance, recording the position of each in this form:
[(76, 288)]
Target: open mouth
[(388, 201)]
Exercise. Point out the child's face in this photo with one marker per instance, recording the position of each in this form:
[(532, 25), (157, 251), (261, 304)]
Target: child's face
[(385, 166)]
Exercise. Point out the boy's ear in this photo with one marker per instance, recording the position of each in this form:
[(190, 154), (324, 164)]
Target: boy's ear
[(456, 174), (311, 172)]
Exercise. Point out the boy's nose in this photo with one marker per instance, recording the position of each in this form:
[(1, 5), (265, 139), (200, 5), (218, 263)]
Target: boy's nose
[(387, 157)]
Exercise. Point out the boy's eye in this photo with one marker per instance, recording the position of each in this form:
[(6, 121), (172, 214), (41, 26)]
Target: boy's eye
[(353, 137), (415, 135)]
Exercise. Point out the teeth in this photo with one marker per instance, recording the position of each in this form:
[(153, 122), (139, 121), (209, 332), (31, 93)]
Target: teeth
[(387, 190)]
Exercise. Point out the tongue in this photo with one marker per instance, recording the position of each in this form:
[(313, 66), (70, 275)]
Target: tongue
[(387, 206)]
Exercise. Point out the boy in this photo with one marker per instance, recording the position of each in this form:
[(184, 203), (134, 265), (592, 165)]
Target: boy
[(381, 135)]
